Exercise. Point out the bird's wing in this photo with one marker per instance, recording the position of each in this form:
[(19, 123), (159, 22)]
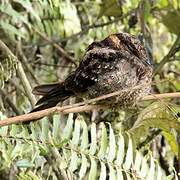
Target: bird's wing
[(95, 63), (45, 88)]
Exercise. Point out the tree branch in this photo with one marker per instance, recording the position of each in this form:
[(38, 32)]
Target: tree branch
[(26, 84), (57, 46), (174, 48), (78, 107)]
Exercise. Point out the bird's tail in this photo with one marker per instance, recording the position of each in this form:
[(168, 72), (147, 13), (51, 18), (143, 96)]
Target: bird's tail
[(52, 95)]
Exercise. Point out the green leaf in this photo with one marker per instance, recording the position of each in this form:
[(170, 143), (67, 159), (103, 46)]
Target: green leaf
[(157, 115), (129, 155), (151, 171), (74, 161), (103, 173), (43, 150), (110, 8), (62, 143), (138, 161), (56, 126), (4, 129), (70, 21), (84, 141), (93, 145), (35, 129), (93, 169), (69, 127), (76, 132), (119, 174), (112, 145), (52, 3), (84, 166), (45, 129), (112, 173), (104, 142), (120, 153), (171, 141), (48, 28), (144, 168), (24, 163), (159, 173)]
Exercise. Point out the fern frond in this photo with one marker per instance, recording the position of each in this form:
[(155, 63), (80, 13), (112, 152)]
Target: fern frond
[(82, 151)]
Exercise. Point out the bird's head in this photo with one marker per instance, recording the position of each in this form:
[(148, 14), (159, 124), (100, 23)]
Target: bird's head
[(123, 42), (128, 42)]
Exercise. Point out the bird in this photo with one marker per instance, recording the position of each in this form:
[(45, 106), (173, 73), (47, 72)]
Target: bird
[(118, 62)]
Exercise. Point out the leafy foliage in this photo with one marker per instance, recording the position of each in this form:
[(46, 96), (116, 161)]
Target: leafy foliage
[(157, 115), (103, 155)]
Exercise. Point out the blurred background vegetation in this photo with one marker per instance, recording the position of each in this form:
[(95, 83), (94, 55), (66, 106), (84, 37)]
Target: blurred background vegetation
[(42, 41)]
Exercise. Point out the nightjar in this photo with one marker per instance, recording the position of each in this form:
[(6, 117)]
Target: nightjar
[(116, 63)]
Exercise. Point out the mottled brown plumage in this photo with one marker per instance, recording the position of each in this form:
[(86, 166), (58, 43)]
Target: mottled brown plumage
[(118, 62)]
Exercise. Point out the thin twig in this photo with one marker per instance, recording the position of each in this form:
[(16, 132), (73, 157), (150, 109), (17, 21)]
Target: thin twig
[(26, 84), (162, 96), (78, 107), (174, 48), (54, 65), (57, 46)]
